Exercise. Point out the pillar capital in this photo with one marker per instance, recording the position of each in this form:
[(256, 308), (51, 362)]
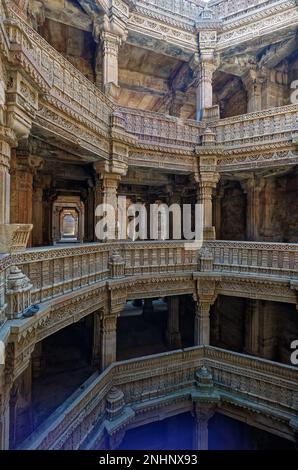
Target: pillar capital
[(204, 411)]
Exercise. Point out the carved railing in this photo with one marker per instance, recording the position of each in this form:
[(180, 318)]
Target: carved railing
[(66, 84), (58, 270), (232, 9), (268, 126), (176, 9), (278, 259), (265, 387), (54, 271), (158, 129)]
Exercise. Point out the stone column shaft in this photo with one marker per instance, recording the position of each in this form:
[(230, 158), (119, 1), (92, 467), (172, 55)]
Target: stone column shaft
[(25, 166), (37, 213), (253, 187), (108, 335), (173, 331), (201, 435), (202, 323), (203, 413), (253, 81), (4, 182), (110, 49), (106, 193), (207, 183), (204, 87), (37, 360), (252, 327), (4, 425), (96, 348)]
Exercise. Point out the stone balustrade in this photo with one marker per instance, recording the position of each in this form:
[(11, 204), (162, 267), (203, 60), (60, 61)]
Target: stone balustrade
[(230, 9), (268, 126), (55, 271), (151, 382), (158, 129), (269, 259), (180, 9), (189, 10), (65, 86), (73, 108)]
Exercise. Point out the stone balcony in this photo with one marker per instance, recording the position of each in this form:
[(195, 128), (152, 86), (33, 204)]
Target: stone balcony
[(55, 271), (164, 382), (70, 283), (67, 106)]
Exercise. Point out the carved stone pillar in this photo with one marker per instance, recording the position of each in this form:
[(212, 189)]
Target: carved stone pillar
[(218, 196), (204, 85), (207, 39), (176, 103), (253, 187), (202, 323), (37, 360), (4, 180), (207, 180), (204, 298), (96, 347), (203, 413), (24, 168), (252, 326), (173, 335), (268, 330), (267, 228), (253, 82), (105, 193), (110, 43), (37, 211), (4, 412), (108, 339), (108, 326)]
